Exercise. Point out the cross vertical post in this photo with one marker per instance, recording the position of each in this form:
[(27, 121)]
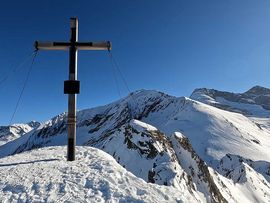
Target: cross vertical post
[(72, 86), (71, 122)]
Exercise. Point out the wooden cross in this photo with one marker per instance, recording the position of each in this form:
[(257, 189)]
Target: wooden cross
[(72, 86)]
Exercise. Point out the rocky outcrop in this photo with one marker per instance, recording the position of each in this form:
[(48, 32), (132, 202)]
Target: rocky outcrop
[(196, 168), (147, 153), (230, 162)]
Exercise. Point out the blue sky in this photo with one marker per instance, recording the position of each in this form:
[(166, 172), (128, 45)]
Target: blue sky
[(171, 46)]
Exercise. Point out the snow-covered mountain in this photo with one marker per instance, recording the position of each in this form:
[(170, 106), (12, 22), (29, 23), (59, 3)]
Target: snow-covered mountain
[(9, 133), (255, 101), (214, 146)]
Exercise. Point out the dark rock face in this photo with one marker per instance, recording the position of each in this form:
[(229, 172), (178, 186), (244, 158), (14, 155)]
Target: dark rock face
[(143, 147), (4, 131), (198, 169), (34, 124), (151, 175)]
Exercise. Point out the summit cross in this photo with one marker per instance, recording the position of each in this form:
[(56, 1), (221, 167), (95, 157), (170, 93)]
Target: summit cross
[(72, 86)]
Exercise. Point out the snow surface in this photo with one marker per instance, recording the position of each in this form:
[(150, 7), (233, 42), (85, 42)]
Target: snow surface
[(43, 175)]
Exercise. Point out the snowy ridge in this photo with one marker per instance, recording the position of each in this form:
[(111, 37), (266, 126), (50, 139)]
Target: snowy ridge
[(94, 177)]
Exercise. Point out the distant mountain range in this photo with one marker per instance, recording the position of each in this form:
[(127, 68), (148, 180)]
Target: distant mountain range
[(252, 102), (213, 146), (9, 133)]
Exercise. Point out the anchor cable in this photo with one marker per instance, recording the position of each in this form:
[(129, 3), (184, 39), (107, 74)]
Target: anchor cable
[(116, 66), (114, 63), (15, 69), (114, 71), (24, 85)]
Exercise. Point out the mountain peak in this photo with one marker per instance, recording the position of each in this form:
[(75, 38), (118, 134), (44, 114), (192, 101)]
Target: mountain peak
[(145, 92), (33, 124), (258, 90)]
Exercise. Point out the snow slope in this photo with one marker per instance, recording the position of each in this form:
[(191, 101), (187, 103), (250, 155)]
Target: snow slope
[(43, 175), (213, 132)]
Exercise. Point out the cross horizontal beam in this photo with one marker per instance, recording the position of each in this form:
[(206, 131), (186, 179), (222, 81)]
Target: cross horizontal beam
[(79, 45)]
